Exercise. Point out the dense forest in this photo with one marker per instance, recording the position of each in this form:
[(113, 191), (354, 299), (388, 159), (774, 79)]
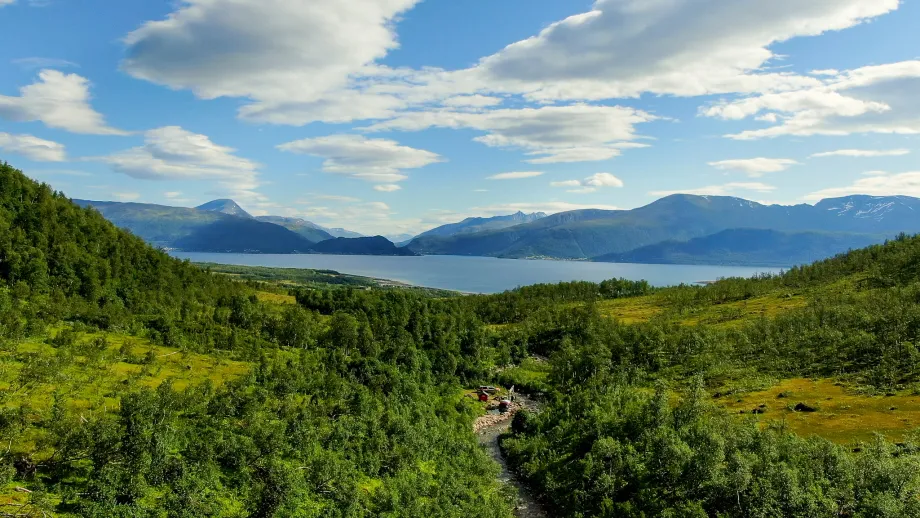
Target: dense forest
[(134, 384)]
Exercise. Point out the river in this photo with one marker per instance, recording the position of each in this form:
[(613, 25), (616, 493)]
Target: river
[(527, 506), (481, 274)]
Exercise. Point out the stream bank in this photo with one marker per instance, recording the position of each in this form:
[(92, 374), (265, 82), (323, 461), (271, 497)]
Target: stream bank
[(488, 428)]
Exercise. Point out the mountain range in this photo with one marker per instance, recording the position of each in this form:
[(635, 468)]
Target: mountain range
[(223, 226), (473, 225), (586, 234), (684, 229), (747, 246)]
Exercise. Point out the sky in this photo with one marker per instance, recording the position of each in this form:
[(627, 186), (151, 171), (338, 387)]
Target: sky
[(394, 116)]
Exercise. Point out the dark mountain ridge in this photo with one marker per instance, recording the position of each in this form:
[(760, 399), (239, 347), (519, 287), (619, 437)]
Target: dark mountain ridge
[(591, 233), (472, 225), (747, 247), (305, 228), (377, 245)]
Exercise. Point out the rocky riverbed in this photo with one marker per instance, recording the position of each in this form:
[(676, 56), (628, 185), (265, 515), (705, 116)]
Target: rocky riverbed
[(488, 428)]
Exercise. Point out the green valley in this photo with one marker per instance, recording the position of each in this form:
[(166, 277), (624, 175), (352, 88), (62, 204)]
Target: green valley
[(135, 384)]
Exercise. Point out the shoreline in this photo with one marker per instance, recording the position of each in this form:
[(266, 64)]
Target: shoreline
[(464, 275)]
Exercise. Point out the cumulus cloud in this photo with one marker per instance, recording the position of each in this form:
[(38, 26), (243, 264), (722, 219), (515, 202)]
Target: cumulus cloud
[(517, 175), (33, 148), (873, 99), (755, 167), (286, 55), (574, 133), (862, 153), (622, 48), (373, 160), (387, 188), (591, 183), (727, 189), (878, 183), (59, 101), (816, 102), (173, 153)]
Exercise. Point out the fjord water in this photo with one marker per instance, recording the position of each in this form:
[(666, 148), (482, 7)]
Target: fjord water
[(480, 274)]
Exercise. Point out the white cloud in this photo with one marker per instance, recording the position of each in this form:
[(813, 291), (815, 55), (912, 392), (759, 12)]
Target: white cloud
[(286, 55), (33, 148), (815, 102), (602, 180), (471, 101), (877, 184), (566, 183), (550, 207), (59, 101), (755, 167), (172, 153), (172, 194), (126, 196), (374, 160), (378, 205), (873, 99), (341, 107), (517, 175), (622, 48), (336, 198), (727, 189), (825, 72), (862, 153), (591, 183), (575, 133), (7, 2), (368, 218), (387, 188), (31, 63)]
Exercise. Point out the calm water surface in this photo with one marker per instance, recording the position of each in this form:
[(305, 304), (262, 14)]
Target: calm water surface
[(481, 274)]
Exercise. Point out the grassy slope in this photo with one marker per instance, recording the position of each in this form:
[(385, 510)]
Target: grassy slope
[(637, 310), (284, 278), (847, 412), (91, 384)]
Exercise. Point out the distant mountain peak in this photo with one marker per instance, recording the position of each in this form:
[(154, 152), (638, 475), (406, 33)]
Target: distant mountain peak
[(476, 224), (225, 206), (877, 208)]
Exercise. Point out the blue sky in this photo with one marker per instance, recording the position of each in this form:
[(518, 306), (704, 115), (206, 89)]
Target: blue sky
[(391, 116)]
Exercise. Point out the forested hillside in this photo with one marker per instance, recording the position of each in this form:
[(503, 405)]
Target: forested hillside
[(360, 246), (137, 385), (134, 384)]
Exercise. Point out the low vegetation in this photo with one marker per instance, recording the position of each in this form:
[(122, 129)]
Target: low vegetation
[(134, 384)]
